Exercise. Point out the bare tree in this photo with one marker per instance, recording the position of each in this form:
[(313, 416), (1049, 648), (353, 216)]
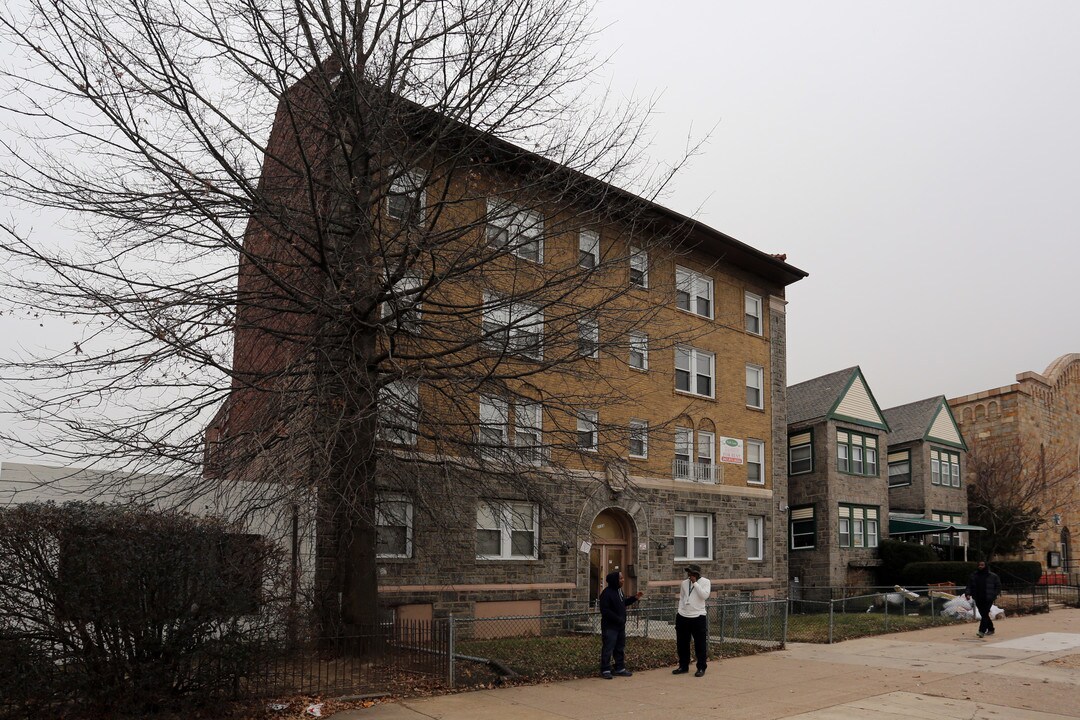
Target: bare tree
[(356, 241), (1013, 488)]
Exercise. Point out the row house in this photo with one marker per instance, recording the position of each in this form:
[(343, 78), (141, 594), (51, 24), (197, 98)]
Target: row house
[(927, 455), (858, 474)]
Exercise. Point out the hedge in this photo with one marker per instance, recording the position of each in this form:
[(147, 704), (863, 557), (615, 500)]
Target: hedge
[(1011, 572)]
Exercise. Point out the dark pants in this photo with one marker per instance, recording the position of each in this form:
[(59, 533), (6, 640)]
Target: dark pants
[(614, 646), (985, 623), (698, 627)]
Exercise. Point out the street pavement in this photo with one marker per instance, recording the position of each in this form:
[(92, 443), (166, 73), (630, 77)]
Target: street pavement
[(1028, 670)]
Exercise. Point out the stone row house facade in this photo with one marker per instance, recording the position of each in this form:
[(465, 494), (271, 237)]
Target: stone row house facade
[(858, 474)]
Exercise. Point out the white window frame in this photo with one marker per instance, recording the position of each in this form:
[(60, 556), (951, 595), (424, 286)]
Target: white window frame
[(639, 263), (399, 407), (588, 249), (383, 519), (639, 431), (406, 184), (639, 343), (511, 326), (705, 448), (693, 370), (515, 229), (757, 446), (493, 432), (755, 537), (757, 371), (690, 535), (503, 513), (529, 431), (752, 314), (403, 309), (696, 287), (588, 337), (588, 421)]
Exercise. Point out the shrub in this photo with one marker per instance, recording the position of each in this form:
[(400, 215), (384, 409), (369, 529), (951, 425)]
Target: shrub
[(896, 555), (925, 573), (123, 606), (1018, 572)]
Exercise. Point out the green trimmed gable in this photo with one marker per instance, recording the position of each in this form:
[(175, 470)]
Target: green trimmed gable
[(856, 404)]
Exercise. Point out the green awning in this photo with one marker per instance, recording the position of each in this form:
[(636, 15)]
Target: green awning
[(922, 526)]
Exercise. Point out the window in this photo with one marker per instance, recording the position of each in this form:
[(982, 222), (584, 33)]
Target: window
[(639, 351), (953, 518), (693, 537), (586, 430), (755, 537), (528, 434), (694, 371), (494, 426), (753, 314), (393, 531), (519, 231), (705, 470), (405, 200), (399, 408), (588, 338), (944, 468), (513, 327), (403, 306), (494, 430), (684, 441), (588, 249), (755, 462), (899, 468), (639, 438), (695, 462), (639, 267), (856, 454), (506, 530), (803, 528), (693, 292), (800, 453), (858, 526), (755, 377)]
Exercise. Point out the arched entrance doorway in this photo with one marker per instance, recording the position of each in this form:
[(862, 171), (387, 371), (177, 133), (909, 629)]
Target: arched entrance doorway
[(611, 536)]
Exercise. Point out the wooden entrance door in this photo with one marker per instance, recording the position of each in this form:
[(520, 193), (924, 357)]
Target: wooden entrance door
[(610, 552)]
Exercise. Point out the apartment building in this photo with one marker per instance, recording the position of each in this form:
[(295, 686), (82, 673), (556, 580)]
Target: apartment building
[(566, 379)]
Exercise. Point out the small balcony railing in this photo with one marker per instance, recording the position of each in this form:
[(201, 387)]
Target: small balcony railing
[(695, 471)]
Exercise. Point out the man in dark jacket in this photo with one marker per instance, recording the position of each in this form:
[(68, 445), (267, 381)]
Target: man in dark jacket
[(613, 606), (984, 587)]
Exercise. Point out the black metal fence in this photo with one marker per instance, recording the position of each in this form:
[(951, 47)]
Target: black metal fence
[(371, 659)]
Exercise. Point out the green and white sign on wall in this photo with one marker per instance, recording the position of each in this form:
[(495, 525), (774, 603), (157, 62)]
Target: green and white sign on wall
[(731, 450)]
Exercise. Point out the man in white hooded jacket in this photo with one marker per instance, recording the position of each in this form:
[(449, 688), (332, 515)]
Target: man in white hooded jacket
[(691, 621)]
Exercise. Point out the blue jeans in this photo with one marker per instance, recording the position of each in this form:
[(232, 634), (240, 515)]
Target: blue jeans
[(613, 647)]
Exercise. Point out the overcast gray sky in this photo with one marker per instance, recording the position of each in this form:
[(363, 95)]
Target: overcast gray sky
[(921, 160)]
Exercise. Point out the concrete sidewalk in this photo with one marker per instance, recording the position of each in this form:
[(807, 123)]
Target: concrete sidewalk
[(1029, 670)]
